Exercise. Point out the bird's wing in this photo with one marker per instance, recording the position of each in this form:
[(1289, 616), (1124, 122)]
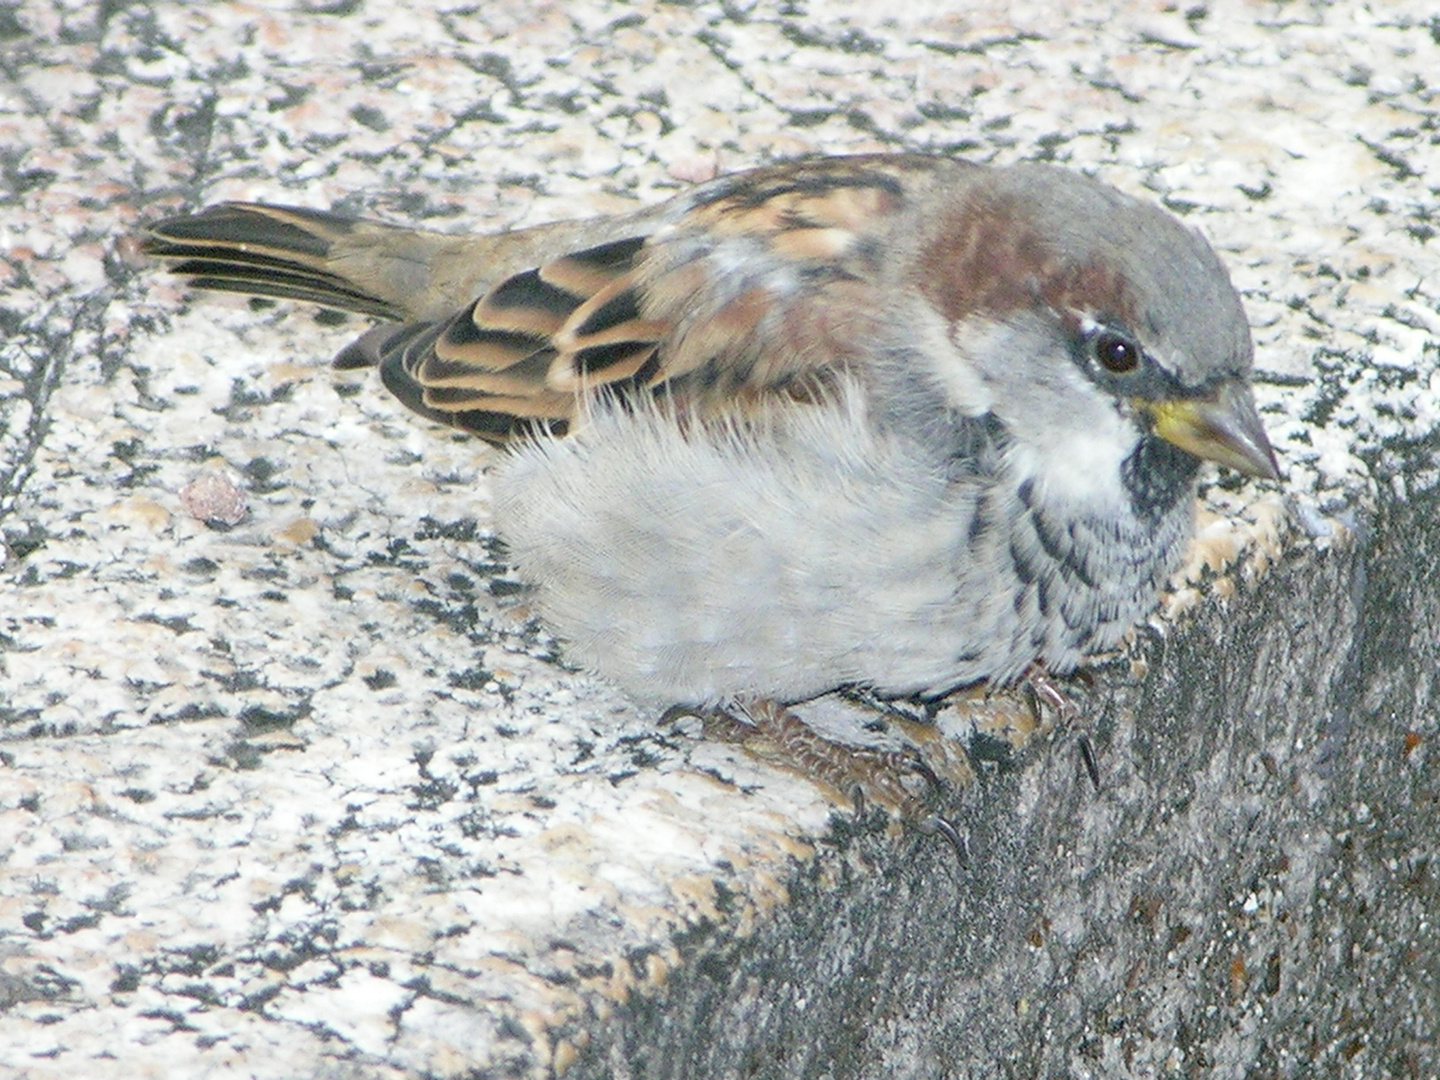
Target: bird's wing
[(764, 282)]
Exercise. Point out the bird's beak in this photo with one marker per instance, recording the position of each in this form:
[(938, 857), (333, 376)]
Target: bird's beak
[(1223, 427)]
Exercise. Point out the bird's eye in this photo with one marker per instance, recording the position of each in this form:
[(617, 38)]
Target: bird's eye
[(1116, 352)]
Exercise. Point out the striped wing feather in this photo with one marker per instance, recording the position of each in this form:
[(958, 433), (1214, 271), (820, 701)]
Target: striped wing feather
[(755, 288), (751, 285)]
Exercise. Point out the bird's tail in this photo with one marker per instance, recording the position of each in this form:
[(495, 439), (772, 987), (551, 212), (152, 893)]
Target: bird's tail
[(400, 274), (284, 252)]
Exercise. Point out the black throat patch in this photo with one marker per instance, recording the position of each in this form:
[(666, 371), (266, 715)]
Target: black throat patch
[(1157, 476)]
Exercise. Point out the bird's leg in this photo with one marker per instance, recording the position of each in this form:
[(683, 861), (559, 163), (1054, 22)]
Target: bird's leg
[(1048, 692), (895, 780)]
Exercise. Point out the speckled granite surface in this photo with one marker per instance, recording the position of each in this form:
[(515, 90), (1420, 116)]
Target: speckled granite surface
[(290, 783)]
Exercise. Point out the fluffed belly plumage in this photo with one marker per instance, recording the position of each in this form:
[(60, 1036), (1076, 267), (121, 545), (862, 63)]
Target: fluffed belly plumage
[(704, 565)]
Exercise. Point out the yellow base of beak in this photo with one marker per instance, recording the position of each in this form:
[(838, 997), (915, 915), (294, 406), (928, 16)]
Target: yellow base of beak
[(1224, 428)]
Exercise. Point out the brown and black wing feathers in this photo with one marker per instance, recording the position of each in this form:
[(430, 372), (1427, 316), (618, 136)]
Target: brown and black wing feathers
[(516, 360), (754, 284)]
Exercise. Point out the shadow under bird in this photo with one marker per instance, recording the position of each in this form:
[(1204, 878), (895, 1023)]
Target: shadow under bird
[(897, 422)]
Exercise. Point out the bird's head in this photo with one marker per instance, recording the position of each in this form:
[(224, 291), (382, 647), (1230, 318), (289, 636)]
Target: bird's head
[(1103, 334)]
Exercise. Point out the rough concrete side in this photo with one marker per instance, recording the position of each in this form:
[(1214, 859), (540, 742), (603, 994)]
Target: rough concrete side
[(1252, 894)]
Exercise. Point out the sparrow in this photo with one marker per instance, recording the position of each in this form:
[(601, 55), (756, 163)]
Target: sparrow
[(895, 421)]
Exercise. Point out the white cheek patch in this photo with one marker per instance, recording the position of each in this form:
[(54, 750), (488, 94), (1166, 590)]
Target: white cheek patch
[(1069, 438)]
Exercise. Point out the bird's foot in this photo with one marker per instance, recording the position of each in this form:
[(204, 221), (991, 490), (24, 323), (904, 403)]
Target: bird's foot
[(899, 781), (1048, 692)]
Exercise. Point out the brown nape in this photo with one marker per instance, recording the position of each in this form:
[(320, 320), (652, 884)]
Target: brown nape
[(989, 258)]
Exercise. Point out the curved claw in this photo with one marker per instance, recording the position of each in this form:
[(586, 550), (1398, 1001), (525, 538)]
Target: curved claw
[(857, 801), (680, 712), (731, 723), (921, 766), (937, 824), (1087, 755)]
